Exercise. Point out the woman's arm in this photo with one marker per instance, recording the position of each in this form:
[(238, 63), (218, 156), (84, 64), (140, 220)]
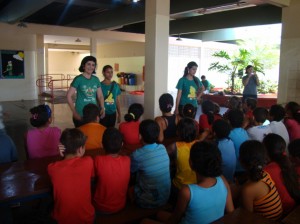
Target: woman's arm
[(101, 102), (229, 207), (256, 80), (204, 134), (179, 93), (246, 80), (118, 109), (161, 123), (70, 93), (247, 198)]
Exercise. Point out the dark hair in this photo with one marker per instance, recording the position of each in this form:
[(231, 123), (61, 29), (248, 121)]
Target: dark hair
[(235, 102), (166, 102), (135, 111), (187, 130), (105, 67), (40, 115), (277, 112), (208, 108), (190, 65), (276, 146), (203, 77), (221, 128), (251, 102), (236, 118), (216, 108), (85, 60), (253, 158), (112, 140), (206, 159), (294, 108), (294, 148), (248, 66), (149, 130), (188, 110), (90, 113), (72, 139), (260, 114)]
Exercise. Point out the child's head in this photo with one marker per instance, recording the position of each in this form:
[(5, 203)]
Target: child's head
[(221, 128), (275, 146), (293, 110), (189, 110), (40, 116), (276, 112), (107, 72), (253, 158), (208, 108), (234, 103), (149, 130), (91, 113), (203, 77), (251, 103), (294, 149), (187, 130), (135, 111), (85, 61), (260, 115), (205, 159), (112, 141), (166, 102), (73, 140), (236, 118)]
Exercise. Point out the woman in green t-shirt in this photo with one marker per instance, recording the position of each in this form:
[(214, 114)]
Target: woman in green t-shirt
[(189, 88)]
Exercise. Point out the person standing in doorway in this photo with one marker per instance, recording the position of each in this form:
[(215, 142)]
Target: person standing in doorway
[(250, 82), (189, 88)]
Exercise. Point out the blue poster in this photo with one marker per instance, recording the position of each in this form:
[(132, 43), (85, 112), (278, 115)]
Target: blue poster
[(11, 64)]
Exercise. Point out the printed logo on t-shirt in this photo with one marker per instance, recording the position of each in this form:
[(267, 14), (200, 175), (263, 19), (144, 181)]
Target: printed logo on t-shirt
[(110, 99), (192, 95), (89, 91)]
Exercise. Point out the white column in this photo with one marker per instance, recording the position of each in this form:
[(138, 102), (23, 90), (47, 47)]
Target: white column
[(289, 74), (40, 51), (93, 47), (156, 54)]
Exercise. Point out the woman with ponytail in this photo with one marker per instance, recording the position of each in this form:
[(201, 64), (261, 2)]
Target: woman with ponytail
[(282, 172), (189, 87), (259, 193), (130, 128)]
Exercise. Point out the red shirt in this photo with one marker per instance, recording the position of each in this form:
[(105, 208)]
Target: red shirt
[(130, 132), (71, 179), (203, 122), (293, 128), (113, 178), (288, 203)]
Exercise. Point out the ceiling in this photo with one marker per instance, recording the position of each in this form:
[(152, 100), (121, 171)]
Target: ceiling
[(188, 18)]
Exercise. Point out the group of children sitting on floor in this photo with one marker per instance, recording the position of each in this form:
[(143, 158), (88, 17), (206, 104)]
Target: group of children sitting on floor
[(248, 157)]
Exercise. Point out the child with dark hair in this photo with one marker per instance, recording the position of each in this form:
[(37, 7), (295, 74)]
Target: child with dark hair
[(249, 106), (282, 172), (206, 120), (259, 194), (151, 163), (179, 152), (222, 129), (168, 121), (130, 128), (43, 140), (292, 120), (112, 173), (217, 111), (189, 111), (71, 180), (276, 117), (92, 129), (259, 130), (294, 152), (208, 199), (111, 93), (238, 134), (234, 103)]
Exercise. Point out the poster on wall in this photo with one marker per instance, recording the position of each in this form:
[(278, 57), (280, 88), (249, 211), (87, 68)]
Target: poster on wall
[(11, 64)]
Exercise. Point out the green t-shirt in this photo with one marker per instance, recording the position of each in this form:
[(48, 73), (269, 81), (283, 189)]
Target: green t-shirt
[(86, 91), (110, 103), (189, 91), (206, 84)]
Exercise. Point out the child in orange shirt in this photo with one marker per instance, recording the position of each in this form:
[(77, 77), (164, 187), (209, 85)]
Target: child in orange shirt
[(92, 129), (71, 179)]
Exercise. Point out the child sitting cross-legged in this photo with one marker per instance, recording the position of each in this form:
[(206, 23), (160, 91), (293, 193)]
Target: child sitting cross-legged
[(112, 173), (151, 164), (208, 199), (71, 180), (91, 128)]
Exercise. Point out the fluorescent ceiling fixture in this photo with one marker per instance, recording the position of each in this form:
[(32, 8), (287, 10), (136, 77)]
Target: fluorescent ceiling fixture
[(222, 8)]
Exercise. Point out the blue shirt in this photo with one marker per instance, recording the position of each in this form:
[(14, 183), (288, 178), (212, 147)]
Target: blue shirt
[(227, 150), (206, 204), (251, 87), (8, 152), (238, 136), (153, 183)]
